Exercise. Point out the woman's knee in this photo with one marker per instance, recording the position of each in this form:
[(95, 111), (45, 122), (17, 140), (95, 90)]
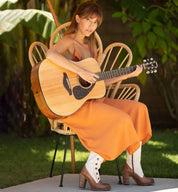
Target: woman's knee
[(142, 106)]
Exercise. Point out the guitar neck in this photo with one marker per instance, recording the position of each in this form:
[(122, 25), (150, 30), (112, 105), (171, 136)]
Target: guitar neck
[(115, 73)]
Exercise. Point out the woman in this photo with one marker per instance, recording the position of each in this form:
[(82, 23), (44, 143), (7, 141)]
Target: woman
[(106, 127)]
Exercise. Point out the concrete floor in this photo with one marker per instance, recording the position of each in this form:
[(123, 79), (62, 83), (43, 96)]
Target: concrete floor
[(71, 185)]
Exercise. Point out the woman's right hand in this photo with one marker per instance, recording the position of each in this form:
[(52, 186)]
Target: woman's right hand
[(88, 76)]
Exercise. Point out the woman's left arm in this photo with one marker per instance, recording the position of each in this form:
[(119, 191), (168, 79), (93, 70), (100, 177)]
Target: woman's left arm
[(124, 77)]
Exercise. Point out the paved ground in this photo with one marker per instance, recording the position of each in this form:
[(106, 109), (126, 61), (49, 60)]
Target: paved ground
[(71, 185)]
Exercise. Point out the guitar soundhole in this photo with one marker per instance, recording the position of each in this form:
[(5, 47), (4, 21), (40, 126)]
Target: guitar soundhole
[(84, 83)]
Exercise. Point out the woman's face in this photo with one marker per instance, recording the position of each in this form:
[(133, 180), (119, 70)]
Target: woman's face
[(86, 26)]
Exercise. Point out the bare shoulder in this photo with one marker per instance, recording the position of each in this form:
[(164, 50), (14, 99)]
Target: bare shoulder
[(63, 45)]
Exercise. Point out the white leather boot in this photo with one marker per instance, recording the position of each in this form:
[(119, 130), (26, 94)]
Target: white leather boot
[(133, 168), (93, 165), (90, 173), (134, 161)]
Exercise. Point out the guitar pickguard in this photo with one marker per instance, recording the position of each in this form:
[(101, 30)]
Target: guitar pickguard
[(80, 92)]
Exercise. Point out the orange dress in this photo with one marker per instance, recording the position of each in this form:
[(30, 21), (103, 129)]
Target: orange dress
[(110, 126)]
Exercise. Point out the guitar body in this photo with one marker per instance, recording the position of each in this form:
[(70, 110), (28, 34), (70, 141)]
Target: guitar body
[(60, 92)]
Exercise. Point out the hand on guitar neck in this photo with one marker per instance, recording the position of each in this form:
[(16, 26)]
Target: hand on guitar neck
[(135, 73)]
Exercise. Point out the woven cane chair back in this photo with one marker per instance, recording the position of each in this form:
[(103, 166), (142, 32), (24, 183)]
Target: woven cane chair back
[(115, 56)]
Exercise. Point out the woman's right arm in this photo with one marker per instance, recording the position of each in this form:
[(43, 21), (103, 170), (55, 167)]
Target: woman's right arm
[(55, 54)]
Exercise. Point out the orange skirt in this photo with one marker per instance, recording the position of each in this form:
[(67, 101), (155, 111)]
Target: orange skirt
[(110, 126)]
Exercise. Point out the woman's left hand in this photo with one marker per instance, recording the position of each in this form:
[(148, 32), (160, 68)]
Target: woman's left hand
[(137, 71)]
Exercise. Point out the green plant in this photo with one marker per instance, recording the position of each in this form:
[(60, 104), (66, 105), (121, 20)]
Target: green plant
[(154, 26), (19, 27)]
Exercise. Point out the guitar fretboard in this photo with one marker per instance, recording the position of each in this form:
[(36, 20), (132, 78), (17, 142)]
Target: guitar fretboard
[(115, 73)]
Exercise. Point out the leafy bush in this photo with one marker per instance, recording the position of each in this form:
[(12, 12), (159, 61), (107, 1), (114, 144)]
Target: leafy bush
[(154, 26)]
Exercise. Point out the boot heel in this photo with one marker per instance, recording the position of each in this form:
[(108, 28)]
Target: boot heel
[(126, 178), (82, 181)]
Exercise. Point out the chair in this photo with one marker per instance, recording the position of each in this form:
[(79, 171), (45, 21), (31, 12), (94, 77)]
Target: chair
[(116, 55), (37, 52)]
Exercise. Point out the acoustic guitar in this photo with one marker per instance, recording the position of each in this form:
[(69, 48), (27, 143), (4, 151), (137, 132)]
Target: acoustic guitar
[(60, 92)]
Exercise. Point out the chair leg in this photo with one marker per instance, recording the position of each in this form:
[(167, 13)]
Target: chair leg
[(72, 153), (118, 170), (63, 164), (57, 143)]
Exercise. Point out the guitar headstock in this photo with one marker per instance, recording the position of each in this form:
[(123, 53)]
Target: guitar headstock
[(150, 65)]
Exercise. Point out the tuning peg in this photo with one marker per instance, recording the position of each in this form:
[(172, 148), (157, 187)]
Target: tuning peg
[(155, 71), (148, 72), (144, 60)]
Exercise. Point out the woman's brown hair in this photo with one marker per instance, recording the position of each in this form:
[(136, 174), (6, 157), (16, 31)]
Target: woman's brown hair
[(85, 10)]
